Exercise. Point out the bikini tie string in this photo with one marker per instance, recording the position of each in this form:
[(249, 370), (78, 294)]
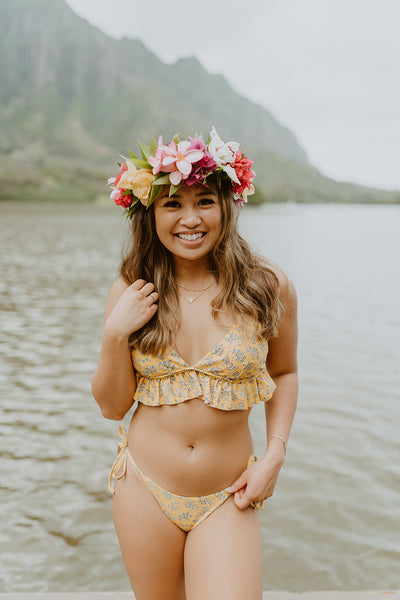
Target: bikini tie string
[(118, 469)]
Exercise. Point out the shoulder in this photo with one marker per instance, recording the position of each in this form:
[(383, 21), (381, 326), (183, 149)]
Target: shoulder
[(118, 287), (287, 290)]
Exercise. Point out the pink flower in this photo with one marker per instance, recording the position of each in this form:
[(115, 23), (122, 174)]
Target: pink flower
[(176, 159), (197, 143), (204, 166), (162, 152)]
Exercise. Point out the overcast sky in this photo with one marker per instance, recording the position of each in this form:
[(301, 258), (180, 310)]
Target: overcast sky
[(327, 69)]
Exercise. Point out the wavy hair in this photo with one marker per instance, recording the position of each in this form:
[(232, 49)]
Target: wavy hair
[(248, 286)]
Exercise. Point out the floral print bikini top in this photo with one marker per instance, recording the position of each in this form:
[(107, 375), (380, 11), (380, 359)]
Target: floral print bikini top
[(232, 376)]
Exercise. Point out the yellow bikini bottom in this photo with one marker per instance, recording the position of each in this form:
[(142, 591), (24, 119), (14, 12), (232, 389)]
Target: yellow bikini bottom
[(185, 511)]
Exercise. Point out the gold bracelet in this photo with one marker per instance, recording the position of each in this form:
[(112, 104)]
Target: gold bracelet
[(279, 438)]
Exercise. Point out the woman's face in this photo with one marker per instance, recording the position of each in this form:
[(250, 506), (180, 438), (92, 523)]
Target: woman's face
[(188, 223)]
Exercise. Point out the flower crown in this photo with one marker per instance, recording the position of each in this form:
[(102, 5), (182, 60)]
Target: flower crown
[(181, 163)]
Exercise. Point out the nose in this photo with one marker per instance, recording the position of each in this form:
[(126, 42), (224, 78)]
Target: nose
[(190, 218)]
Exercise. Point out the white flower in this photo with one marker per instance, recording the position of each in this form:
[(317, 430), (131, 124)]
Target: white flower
[(248, 192), (223, 154)]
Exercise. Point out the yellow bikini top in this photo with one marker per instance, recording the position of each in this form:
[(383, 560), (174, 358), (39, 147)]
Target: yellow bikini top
[(232, 376)]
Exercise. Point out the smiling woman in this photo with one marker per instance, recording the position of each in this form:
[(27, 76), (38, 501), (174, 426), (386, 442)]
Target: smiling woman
[(188, 220), (197, 330)]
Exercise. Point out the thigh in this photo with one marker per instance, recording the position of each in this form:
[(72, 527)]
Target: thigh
[(223, 556), (152, 546)]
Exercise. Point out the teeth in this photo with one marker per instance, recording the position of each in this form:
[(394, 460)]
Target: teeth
[(190, 236)]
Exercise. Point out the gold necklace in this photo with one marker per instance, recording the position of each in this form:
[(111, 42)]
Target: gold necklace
[(190, 299), (190, 289)]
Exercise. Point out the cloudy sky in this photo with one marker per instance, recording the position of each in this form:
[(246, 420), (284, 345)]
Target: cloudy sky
[(327, 69)]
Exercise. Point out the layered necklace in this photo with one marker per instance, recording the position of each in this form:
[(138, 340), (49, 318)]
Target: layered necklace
[(190, 299)]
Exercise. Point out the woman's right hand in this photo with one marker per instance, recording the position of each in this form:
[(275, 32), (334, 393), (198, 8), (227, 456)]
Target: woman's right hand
[(134, 309)]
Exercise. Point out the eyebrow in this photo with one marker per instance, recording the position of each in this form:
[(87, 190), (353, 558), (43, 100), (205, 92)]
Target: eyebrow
[(206, 193), (199, 194)]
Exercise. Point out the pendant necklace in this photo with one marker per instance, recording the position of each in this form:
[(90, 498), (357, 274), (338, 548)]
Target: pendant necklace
[(190, 299)]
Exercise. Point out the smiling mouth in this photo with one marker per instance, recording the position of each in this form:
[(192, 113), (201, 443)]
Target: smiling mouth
[(190, 236)]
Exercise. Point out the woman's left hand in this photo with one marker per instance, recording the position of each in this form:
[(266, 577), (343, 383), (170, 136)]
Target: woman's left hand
[(257, 482)]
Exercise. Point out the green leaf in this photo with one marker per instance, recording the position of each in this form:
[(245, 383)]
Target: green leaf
[(174, 188), (153, 195), (145, 150), (177, 138), (129, 211), (131, 154), (141, 164), (153, 145), (163, 180)]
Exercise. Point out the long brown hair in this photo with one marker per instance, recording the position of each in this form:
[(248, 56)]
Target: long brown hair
[(249, 286)]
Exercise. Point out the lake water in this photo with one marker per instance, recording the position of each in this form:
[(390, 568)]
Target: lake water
[(333, 522)]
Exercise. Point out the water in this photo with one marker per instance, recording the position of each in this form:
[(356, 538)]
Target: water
[(333, 520)]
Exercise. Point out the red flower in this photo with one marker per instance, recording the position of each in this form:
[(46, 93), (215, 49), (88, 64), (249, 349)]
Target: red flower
[(242, 166), (120, 198)]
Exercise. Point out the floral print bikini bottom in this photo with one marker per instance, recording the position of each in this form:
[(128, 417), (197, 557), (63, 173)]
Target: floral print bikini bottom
[(185, 511)]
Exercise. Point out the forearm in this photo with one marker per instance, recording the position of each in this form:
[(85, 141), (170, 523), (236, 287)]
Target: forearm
[(114, 381), (280, 411), (257, 483)]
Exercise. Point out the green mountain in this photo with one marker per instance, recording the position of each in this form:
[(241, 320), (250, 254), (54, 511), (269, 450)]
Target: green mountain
[(72, 99)]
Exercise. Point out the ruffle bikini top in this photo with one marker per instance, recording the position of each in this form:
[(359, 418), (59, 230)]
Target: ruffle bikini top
[(232, 376)]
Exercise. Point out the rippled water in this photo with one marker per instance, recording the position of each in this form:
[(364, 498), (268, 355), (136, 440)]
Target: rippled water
[(333, 521)]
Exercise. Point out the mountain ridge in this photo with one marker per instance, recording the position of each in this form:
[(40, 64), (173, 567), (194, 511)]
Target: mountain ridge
[(63, 65), (73, 98)]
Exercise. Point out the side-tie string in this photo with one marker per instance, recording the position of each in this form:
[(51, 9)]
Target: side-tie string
[(118, 469)]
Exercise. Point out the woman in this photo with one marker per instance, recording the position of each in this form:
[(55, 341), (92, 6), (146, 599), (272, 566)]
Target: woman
[(197, 330)]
